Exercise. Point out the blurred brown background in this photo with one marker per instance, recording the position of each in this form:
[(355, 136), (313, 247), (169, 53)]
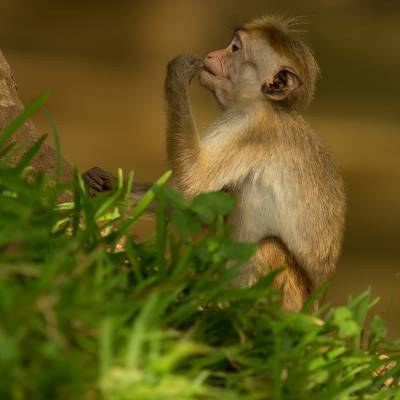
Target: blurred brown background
[(104, 62)]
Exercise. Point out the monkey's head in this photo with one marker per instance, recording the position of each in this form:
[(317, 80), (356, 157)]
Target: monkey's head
[(265, 61)]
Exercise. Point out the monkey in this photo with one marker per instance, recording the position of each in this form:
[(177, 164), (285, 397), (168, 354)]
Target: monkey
[(290, 197)]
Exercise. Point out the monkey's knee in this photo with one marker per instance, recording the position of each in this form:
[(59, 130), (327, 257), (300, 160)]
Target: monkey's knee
[(248, 276), (295, 291), (293, 282)]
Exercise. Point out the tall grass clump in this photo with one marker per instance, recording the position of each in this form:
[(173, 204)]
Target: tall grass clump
[(88, 311)]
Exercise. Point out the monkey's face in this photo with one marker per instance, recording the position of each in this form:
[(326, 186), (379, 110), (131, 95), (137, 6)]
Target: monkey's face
[(248, 70)]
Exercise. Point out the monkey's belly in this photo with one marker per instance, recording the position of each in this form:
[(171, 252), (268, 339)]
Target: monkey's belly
[(263, 211), (256, 215)]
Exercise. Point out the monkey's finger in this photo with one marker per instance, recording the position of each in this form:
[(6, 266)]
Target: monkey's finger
[(92, 192), (198, 62), (91, 183), (98, 174), (107, 184), (102, 173)]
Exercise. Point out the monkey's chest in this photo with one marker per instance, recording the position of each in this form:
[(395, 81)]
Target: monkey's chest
[(257, 213)]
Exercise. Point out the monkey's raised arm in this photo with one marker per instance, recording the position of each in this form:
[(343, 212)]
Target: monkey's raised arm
[(182, 137), (197, 166)]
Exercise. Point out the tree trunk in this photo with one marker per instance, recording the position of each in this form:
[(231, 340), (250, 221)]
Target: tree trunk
[(10, 107)]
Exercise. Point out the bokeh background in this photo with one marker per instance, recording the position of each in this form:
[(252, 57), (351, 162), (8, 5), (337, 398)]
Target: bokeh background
[(104, 62)]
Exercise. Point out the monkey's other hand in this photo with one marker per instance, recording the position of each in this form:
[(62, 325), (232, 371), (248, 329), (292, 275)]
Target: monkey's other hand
[(182, 69), (97, 180)]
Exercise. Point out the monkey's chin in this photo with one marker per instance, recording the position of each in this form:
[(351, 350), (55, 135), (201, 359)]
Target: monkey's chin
[(205, 80), (218, 99)]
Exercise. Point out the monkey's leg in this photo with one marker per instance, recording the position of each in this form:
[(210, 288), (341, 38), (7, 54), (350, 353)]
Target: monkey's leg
[(270, 255)]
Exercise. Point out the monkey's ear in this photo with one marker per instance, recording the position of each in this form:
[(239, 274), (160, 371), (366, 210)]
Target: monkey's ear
[(281, 84)]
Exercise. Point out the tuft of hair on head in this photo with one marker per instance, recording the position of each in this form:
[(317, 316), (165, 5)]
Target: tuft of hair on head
[(287, 38)]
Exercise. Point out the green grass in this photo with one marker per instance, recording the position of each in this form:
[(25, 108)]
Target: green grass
[(81, 318)]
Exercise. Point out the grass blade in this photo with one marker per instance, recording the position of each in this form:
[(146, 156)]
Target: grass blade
[(30, 154), (22, 118)]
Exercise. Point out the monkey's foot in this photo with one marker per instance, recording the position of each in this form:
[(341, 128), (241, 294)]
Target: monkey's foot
[(97, 180)]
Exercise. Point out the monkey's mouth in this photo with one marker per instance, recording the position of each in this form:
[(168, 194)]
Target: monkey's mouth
[(209, 70)]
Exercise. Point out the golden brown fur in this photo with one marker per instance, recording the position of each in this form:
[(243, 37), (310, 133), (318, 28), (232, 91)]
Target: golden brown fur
[(293, 280)]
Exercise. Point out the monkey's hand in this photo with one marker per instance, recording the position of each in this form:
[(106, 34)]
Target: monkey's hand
[(97, 180), (181, 70)]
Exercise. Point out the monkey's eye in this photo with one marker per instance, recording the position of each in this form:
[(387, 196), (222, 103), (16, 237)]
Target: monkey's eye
[(236, 44)]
